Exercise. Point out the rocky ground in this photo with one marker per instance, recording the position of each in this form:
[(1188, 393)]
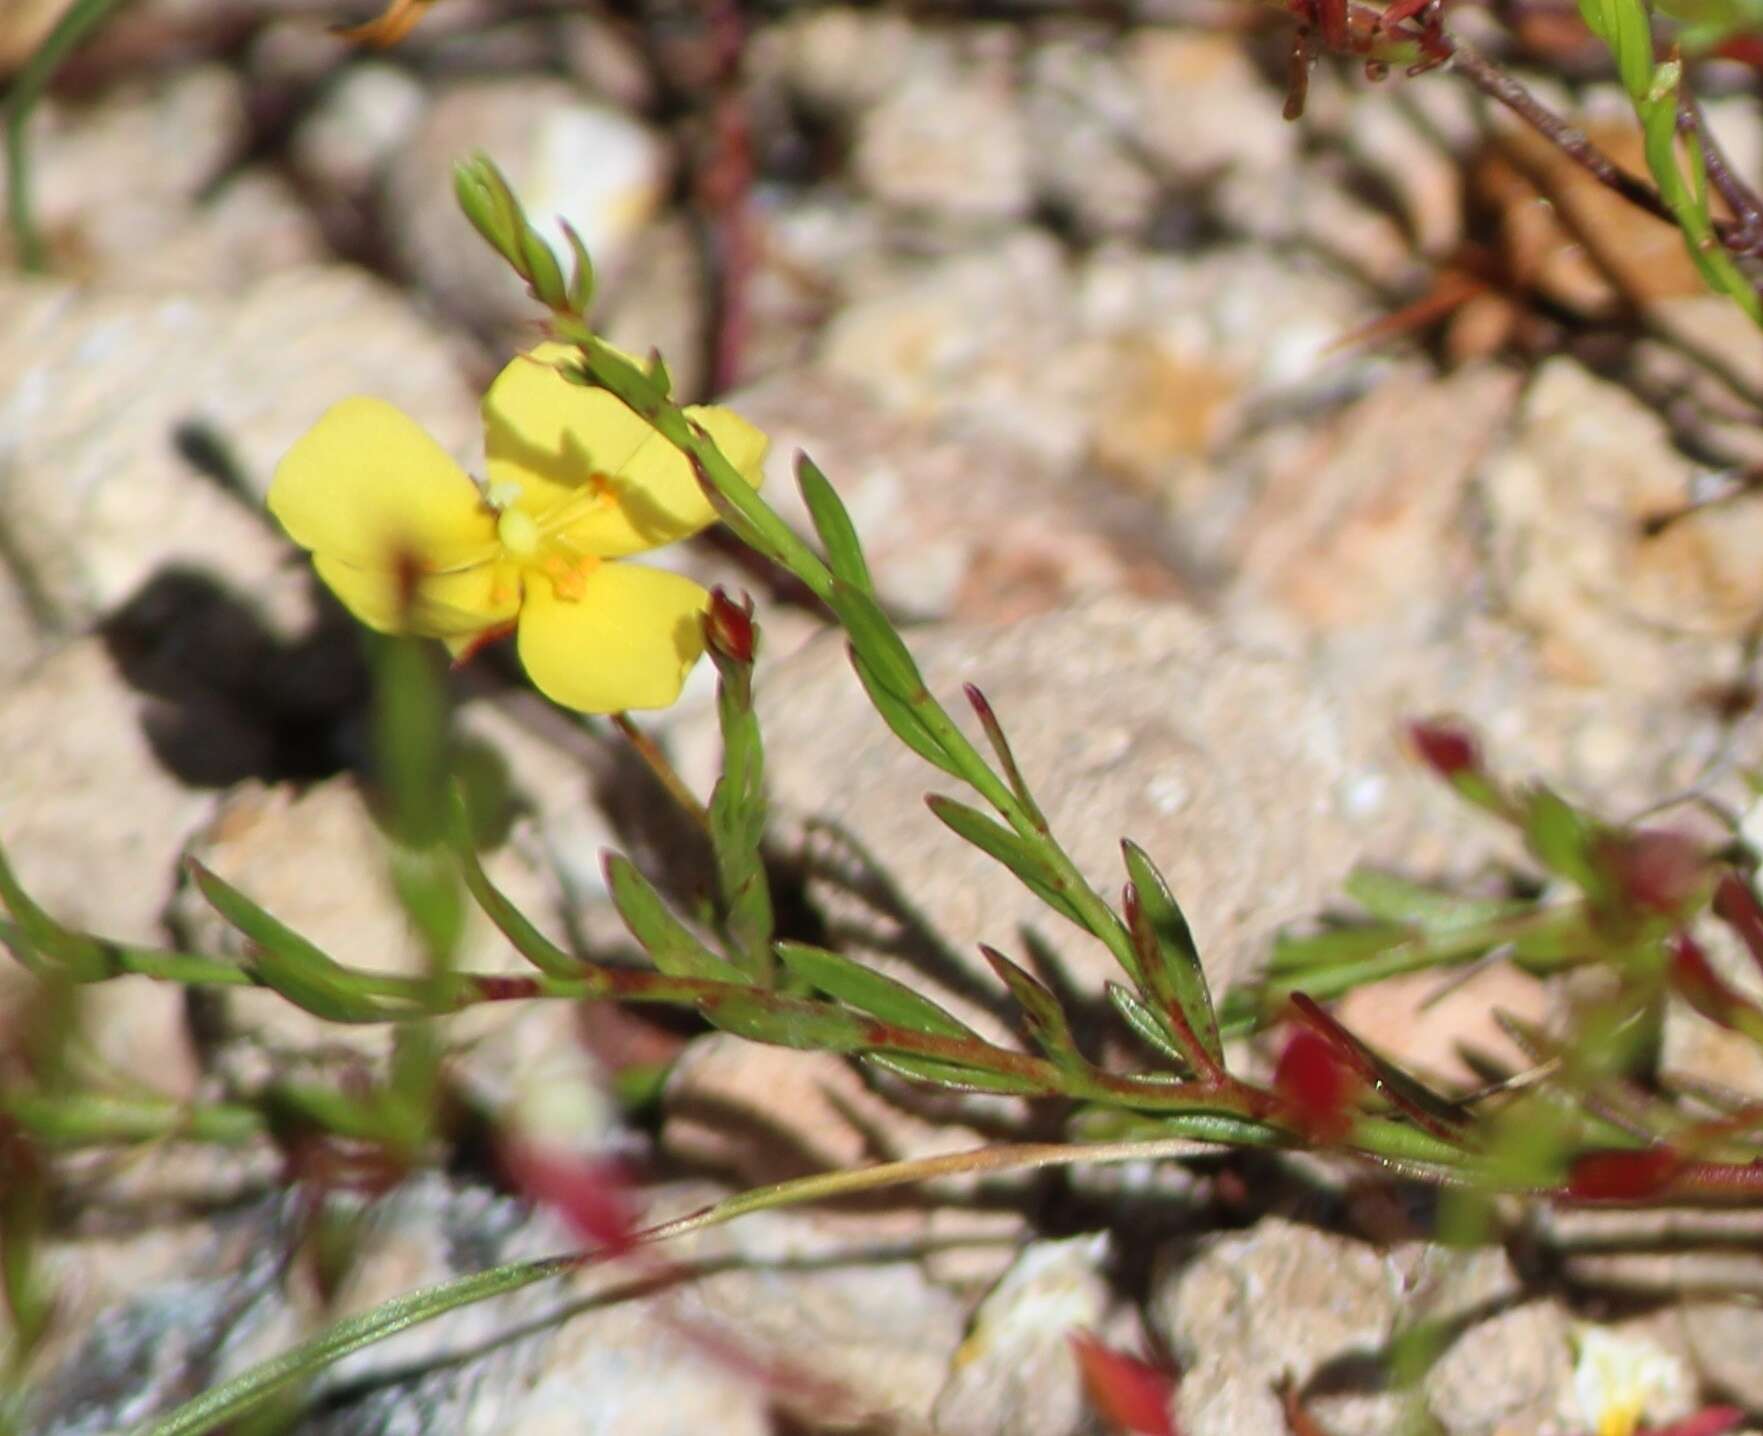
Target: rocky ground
[(1058, 302)]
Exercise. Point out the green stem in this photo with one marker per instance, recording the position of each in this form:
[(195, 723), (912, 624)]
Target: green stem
[(245, 1393), (188, 968), (250, 1390), (90, 1119), (1247, 1010), (777, 540), (30, 86)]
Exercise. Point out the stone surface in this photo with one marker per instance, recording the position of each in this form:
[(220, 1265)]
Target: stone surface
[(1254, 774), (1204, 116), (98, 492), (767, 1114), (1529, 1346), (119, 176), (91, 820), (1015, 1371), (92, 826), (1280, 1302), (1372, 519), (781, 1311), (950, 139), (1082, 116), (348, 140), (839, 58), (1144, 364), (537, 131), (952, 527), (317, 862), (1425, 1021), (1574, 557)]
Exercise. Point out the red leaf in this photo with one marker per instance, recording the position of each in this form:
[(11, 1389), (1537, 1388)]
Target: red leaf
[(1622, 1175), (1710, 1421), (1694, 978), (593, 1195), (1317, 1085), (1130, 1394), (1736, 905)]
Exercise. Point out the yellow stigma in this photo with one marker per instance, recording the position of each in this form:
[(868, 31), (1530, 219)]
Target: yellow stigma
[(518, 532)]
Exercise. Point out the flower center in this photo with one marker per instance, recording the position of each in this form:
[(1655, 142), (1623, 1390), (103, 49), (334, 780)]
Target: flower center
[(530, 546)]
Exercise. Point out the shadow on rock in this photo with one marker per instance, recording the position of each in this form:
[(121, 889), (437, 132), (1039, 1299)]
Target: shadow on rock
[(231, 699)]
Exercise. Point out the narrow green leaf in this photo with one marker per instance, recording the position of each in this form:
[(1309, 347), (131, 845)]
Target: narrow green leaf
[(1560, 837), (670, 944), (1177, 976), (1144, 1023), (1047, 1022), (875, 639), (994, 731), (79, 958), (902, 717), (26, 88), (957, 1078), (1015, 853), (289, 964), (510, 921), (343, 1114), (855, 985), (1396, 900), (787, 1021), (581, 275), (1333, 947), (81, 1119), (838, 536)]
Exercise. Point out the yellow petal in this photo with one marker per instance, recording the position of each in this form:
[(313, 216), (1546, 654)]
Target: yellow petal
[(365, 486), (550, 436), (629, 489), (454, 606), (628, 642)]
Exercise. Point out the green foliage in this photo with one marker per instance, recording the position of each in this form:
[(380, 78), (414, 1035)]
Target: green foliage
[(1622, 899)]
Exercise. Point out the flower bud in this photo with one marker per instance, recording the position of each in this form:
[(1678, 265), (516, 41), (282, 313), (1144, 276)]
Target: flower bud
[(1449, 749), (1656, 870), (729, 628)]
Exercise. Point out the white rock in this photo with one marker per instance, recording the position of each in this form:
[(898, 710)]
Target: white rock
[(1577, 559), (569, 160), (949, 139), (118, 177), (346, 141), (93, 826), (1015, 1371), (94, 493)]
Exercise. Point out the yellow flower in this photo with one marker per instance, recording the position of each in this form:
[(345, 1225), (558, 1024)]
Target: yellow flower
[(411, 544)]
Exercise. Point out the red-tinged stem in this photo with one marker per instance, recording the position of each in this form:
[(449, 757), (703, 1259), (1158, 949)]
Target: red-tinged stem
[(665, 773)]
